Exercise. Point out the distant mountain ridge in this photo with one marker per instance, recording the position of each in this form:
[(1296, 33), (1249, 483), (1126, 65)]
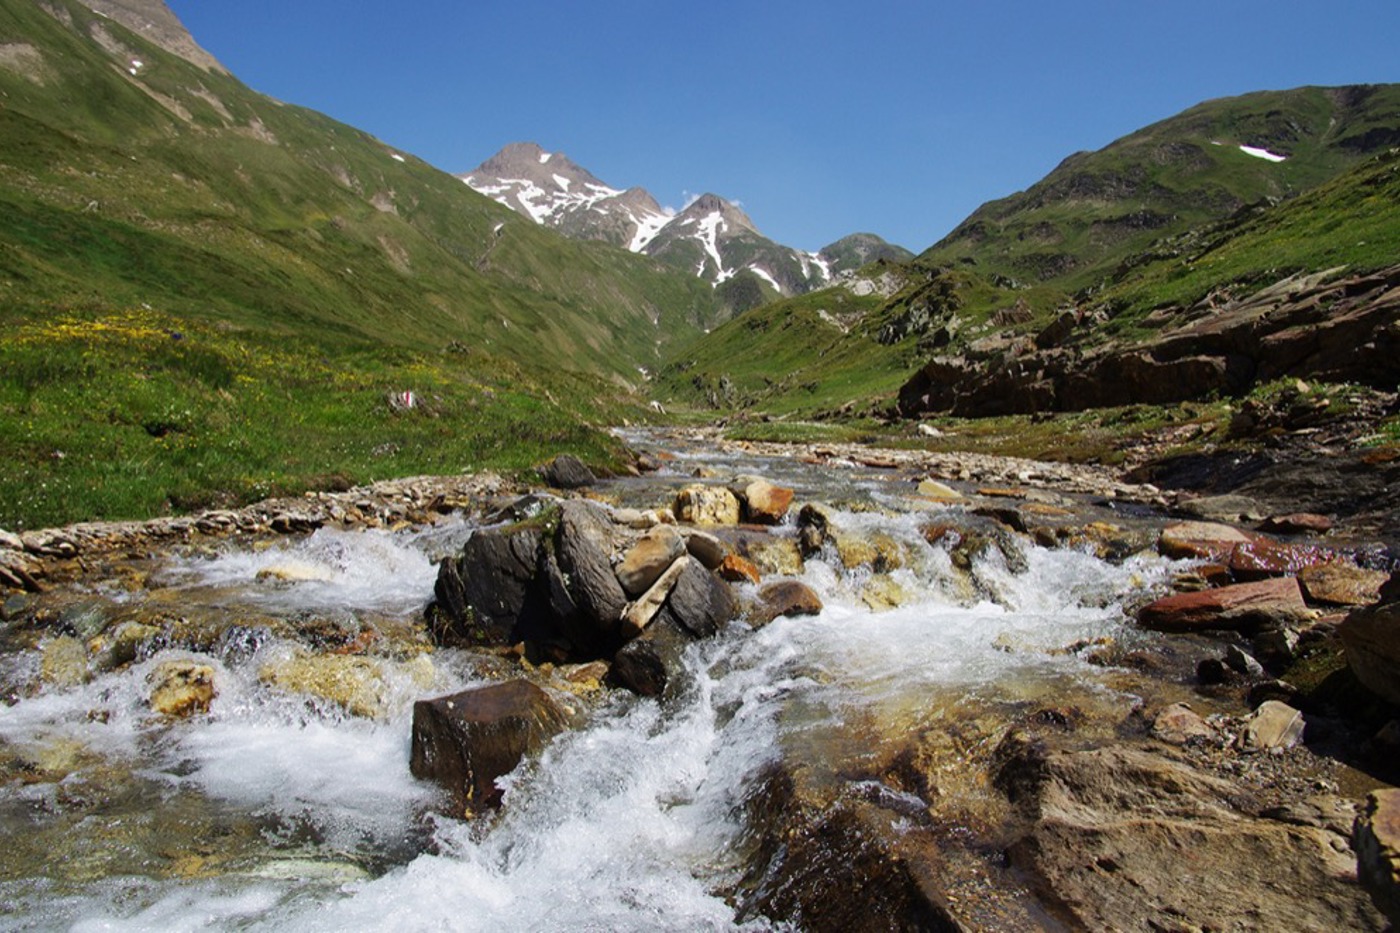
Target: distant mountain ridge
[(711, 237)]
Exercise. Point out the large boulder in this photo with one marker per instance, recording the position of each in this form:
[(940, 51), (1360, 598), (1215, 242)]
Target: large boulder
[(1273, 603), (567, 472), (1371, 637), (1116, 835), (547, 581), (467, 740), (1376, 838)]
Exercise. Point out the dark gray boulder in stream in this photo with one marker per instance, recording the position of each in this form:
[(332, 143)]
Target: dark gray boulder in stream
[(555, 582)]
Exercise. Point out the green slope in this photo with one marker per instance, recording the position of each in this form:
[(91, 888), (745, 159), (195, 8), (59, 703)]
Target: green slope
[(1136, 226), (251, 226)]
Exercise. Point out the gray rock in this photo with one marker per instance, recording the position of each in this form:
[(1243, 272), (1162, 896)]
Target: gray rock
[(584, 542), (700, 602), (567, 472), (1228, 508), (1243, 662)]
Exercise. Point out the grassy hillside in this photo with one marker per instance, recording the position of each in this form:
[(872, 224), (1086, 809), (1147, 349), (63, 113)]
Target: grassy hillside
[(1161, 217), (135, 182)]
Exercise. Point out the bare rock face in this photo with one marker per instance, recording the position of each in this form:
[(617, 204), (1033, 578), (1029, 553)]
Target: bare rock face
[(1116, 835), (1376, 838), (154, 21), (467, 740)]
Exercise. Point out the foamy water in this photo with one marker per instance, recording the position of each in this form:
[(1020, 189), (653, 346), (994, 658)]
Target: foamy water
[(630, 823)]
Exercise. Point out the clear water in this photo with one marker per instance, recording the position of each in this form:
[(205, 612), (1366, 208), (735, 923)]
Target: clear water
[(277, 813)]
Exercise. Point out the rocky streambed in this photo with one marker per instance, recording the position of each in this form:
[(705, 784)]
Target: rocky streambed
[(749, 687)]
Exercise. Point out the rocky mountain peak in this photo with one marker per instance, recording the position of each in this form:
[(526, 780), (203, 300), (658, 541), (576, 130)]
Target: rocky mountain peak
[(708, 204), (154, 21)]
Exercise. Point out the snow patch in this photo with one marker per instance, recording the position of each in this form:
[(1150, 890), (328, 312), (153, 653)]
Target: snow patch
[(562, 182), (1263, 154), (763, 274), (136, 66), (823, 267), (711, 225), (648, 226), (545, 157), (396, 157)]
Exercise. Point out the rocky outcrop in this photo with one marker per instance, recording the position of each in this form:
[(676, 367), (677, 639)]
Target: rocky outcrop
[(467, 740), (1112, 836), (1377, 841), (1335, 329)]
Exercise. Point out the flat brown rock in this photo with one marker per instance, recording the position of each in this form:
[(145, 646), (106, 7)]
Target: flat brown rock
[(1261, 557), (1274, 601), (1342, 584), (1200, 541)]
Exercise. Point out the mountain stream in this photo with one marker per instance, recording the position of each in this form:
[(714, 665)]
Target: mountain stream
[(277, 809)]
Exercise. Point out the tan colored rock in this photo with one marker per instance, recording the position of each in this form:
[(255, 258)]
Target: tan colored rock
[(1273, 725), (638, 615), (1371, 637), (1200, 540), (180, 689), (707, 505), (779, 557), (1376, 838), (356, 683), (1247, 606), (1179, 724), (939, 492), (705, 547), (881, 593), (63, 662), (1342, 583), (765, 503), (646, 560)]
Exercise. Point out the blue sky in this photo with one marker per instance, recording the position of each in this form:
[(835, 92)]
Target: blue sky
[(822, 118)]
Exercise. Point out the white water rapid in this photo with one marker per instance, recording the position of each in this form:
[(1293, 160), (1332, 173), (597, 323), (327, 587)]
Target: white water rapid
[(279, 812)]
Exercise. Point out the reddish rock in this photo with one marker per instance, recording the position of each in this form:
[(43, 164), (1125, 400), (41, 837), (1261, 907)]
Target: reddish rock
[(1297, 523), (1200, 541), (786, 598), (766, 504), (466, 740), (1275, 601), (1342, 583), (1261, 557), (737, 569)]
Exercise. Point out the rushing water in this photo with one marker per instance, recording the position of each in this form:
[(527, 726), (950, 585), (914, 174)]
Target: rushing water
[(275, 812)]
